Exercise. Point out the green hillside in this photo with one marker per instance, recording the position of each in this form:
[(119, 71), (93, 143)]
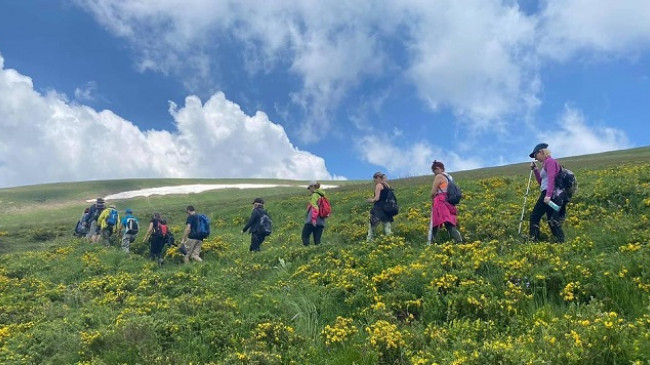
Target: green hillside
[(496, 299)]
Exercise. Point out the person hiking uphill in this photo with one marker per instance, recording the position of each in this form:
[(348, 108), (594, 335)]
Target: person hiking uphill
[(255, 225), (377, 214), (314, 222), (94, 212), (130, 226), (546, 180), (442, 212), (108, 221), (192, 238), (156, 234)]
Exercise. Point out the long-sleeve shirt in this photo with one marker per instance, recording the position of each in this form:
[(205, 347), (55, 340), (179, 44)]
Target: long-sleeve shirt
[(254, 220), (312, 209), (546, 178)]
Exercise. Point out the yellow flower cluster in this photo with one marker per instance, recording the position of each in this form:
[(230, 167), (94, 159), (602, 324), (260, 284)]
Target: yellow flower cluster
[(338, 333)]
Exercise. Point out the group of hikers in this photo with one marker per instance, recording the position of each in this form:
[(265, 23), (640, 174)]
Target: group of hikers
[(99, 222)]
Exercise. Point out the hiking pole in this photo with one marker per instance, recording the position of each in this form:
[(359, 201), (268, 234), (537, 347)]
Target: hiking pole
[(523, 209)]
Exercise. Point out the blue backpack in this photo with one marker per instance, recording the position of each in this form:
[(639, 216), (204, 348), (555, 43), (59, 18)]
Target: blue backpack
[(202, 227), (111, 219)]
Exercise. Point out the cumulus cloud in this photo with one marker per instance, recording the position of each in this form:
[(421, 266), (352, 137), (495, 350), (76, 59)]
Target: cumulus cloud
[(480, 59), (612, 27), (412, 160), (573, 136), (47, 139)]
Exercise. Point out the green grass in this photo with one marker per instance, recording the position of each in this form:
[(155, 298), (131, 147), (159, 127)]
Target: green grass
[(496, 299)]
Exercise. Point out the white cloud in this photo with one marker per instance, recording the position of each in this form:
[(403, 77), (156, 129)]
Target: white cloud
[(477, 59), (47, 139), (573, 136), (481, 59), (86, 92), (412, 160), (619, 27)]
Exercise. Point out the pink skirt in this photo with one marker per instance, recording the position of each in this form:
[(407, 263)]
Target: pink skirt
[(442, 212)]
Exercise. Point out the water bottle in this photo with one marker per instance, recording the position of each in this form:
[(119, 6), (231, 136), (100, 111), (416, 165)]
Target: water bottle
[(553, 205)]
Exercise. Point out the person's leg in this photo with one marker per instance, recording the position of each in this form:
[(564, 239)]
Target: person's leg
[(91, 230), (197, 251), (306, 233), (555, 223), (126, 242), (189, 247), (536, 216), (388, 228), (256, 242), (453, 232), (370, 232), (318, 233)]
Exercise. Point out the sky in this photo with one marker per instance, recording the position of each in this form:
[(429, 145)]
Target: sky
[(300, 89)]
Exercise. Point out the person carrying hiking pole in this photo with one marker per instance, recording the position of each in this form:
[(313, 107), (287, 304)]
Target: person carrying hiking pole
[(314, 220), (544, 205), (442, 212)]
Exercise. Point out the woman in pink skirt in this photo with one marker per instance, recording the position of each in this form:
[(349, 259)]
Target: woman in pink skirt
[(442, 213)]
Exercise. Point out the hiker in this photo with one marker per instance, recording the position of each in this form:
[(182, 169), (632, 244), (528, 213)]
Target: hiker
[(156, 235), (442, 212), (130, 226), (81, 229), (91, 220), (108, 222), (377, 214), (546, 180), (192, 236), (314, 223), (257, 230)]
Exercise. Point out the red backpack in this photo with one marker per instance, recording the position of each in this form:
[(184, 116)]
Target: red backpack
[(324, 206)]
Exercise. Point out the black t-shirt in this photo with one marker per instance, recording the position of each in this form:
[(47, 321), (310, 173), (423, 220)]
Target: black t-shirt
[(193, 221)]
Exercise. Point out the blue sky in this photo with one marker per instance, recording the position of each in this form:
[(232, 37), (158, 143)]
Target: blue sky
[(100, 89)]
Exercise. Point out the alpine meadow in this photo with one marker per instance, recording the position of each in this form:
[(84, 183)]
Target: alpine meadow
[(497, 298)]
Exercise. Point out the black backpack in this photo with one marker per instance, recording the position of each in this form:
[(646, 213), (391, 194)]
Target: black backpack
[(390, 206), (566, 184), (454, 194), (266, 224)]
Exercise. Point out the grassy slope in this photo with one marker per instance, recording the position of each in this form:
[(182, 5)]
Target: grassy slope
[(490, 300)]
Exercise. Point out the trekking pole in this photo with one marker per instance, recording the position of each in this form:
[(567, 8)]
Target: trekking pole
[(523, 209)]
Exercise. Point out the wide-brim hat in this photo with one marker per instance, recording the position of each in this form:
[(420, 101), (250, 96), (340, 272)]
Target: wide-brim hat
[(312, 183), (537, 148)]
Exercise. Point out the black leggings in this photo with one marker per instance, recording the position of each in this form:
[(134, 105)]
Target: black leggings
[(453, 232), (554, 219), (308, 229), (256, 241)]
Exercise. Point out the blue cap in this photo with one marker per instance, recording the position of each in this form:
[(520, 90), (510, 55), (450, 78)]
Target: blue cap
[(128, 210)]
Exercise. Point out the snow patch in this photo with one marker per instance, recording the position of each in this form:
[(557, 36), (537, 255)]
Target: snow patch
[(195, 188)]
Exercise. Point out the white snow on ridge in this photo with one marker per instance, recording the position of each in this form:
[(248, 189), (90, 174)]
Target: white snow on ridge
[(195, 188)]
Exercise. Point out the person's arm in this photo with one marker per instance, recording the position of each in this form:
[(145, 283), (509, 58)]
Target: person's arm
[(149, 230), (251, 220), (378, 189), (538, 177), (186, 233), (435, 185)]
